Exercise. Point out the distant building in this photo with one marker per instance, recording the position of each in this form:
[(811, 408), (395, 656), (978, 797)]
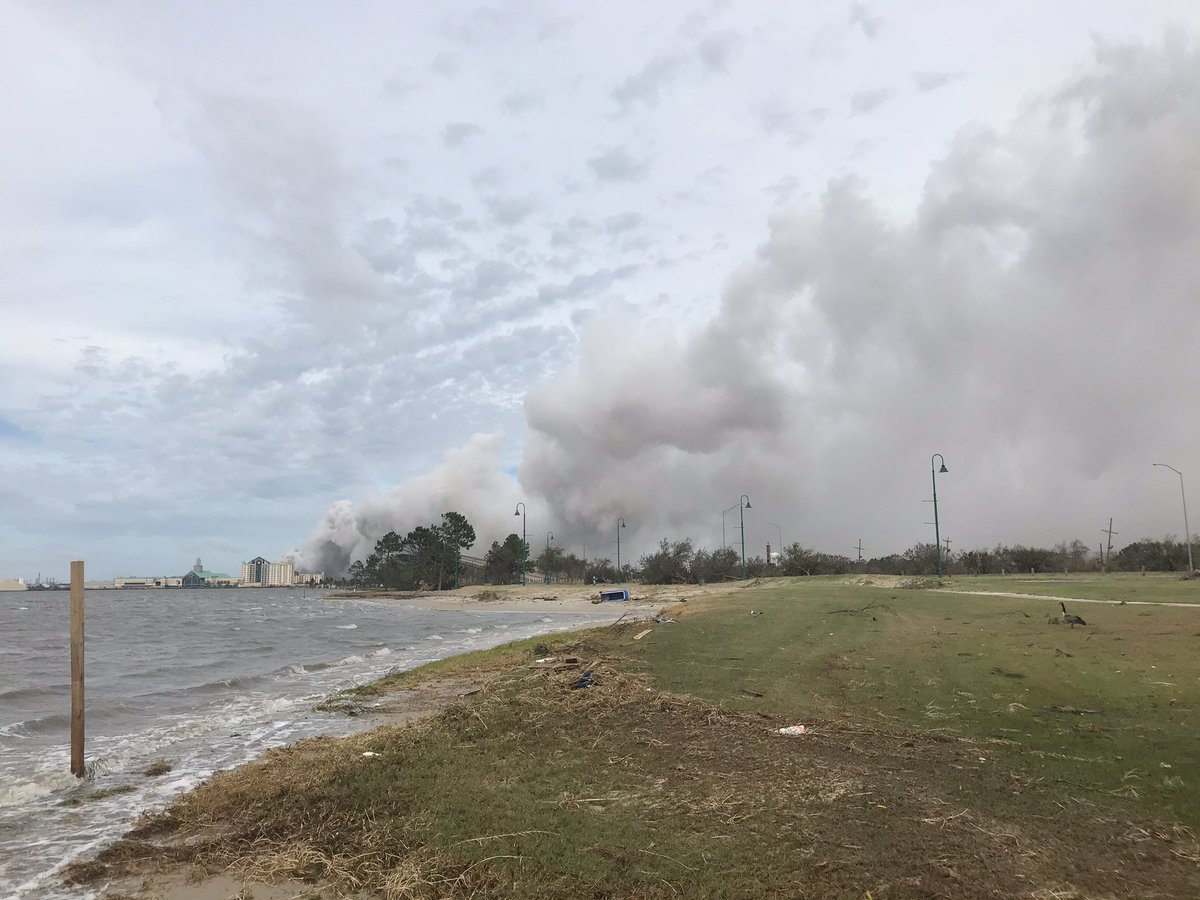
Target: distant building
[(136, 581), (13, 584), (281, 574), (310, 578), (256, 571), (199, 578), (261, 573)]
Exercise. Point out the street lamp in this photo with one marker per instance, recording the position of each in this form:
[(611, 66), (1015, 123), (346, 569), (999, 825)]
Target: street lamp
[(546, 573), (620, 525), (780, 530), (520, 511), (937, 534), (743, 504), (723, 512), (1187, 536)]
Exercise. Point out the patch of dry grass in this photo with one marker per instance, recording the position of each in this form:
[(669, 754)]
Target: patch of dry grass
[(532, 789)]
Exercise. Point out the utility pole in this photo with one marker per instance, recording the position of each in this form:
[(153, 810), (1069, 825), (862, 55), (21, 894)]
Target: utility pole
[(859, 548), (1106, 558)]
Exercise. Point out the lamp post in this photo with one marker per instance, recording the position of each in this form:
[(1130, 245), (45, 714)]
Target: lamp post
[(620, 525), (743, 505), (1187, 535), (723, 512), (937, 533), (520, 511), (546, 573), (780, 530)]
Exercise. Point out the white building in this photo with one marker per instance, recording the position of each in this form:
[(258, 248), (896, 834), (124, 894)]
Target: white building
[(260, 573), (281, 573), (12, 584)]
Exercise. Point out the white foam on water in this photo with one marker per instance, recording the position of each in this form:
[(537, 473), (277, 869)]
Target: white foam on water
[(219, 732), (346, 627)]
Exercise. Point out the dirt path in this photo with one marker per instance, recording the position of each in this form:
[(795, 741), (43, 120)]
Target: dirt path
[(1057, 598)]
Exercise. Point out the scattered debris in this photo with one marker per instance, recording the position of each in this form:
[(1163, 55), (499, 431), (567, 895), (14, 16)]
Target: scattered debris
[(369, 753), (541, 650), (552, 662), (792, 730), (1058, 652), (662, 620), (642, 634), (1073, 710), (755, 612), (752, 693), (584, 680)]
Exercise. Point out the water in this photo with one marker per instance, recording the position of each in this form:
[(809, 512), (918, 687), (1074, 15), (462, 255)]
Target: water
[(204, 679)]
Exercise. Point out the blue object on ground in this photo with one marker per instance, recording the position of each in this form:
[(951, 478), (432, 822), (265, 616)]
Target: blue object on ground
[(584, 680)]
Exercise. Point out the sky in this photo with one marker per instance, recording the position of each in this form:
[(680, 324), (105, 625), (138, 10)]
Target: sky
[(279, 278)]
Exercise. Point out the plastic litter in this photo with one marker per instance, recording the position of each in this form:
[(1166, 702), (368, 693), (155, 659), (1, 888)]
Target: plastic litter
[(369, 754), (584, 680), (792, 730)]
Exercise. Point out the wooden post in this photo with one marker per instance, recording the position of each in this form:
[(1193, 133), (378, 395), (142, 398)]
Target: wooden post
[(77, 768)]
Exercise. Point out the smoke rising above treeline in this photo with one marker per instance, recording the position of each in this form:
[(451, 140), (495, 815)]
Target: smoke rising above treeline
[(1036, 319)]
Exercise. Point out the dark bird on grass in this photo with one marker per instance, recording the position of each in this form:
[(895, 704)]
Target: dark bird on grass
[(1069, 619)]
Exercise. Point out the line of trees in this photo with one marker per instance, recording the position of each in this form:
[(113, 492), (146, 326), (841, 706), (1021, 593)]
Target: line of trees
[(427, 558), (430, 558)]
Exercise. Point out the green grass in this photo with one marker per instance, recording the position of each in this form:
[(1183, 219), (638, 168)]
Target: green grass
[(1157, 587), (980, 667), (940, 762)]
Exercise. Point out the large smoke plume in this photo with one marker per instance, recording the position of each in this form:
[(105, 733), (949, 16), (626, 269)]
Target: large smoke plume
[(1035, 320)]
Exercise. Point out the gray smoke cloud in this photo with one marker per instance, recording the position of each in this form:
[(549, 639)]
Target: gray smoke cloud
[(469, 479), (1035, 320)]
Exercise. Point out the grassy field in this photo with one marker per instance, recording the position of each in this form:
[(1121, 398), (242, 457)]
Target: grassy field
[(957, 747), (1155, 587)]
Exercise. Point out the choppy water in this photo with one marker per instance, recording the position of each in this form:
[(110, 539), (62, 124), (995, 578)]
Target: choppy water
[(203, 679)]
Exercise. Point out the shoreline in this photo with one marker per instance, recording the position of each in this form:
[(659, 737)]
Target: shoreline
[(393, 709)]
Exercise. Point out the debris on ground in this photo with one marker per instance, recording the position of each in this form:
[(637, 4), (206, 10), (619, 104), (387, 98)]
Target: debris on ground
[(1073, 710), (792, 730), (584, 680), (553, 662), (662, 620), (642, 634)]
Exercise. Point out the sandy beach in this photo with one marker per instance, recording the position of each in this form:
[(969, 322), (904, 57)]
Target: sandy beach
[(540, 598)]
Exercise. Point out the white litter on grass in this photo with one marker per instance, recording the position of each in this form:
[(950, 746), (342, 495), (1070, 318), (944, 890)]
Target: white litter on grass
[(368, 753), (792, 730)]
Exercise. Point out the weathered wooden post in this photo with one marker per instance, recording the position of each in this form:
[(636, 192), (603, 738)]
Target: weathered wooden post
[(77, 768)]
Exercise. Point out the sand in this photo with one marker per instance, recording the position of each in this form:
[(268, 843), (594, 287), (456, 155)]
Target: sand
[(537, 598)]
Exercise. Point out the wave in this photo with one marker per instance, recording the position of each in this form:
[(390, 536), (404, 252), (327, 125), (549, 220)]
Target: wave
[(33, 693), (42, 725)]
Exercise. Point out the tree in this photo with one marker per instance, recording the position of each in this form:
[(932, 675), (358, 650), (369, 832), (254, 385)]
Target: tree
[(719, 565), (670, 564), (458, 535), (502, 565)]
